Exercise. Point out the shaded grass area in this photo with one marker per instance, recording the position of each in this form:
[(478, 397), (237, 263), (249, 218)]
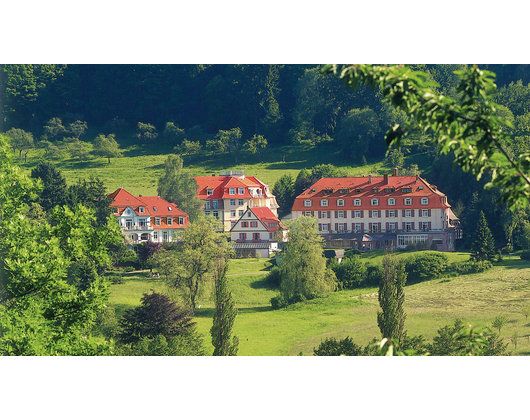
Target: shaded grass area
[(376, 257)]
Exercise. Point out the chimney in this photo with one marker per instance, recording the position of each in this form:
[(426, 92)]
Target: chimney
[(417, 178), (395, 172), (385, 179), (370, 178)]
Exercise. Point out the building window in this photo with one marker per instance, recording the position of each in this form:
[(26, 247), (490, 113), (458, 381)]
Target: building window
[(324, 203), (404, 240), (241, 191), (357, 202), (324, 226), (232, 202), (207, 205), (357, 214), (271, 236), (340, 202), (307, 213), (243, 236), (241, 213), (408, 213), (207, 213), (170, 221), (408, 201), (209, 192), (164, 236), (391, 213), (239, 202), (181, 220), (157, 221), (215, 204), (128, 212), (425, 213), (391, 201), (307, 203), (340, 227), (325, 214), (232, 191), (391, 227), (357, 228), (232, 213), (253, 224), (375, 214), (374, 201), (215, 214), (340, 214), (408, 226), (375, 227), (244, 224), (424, 200), (142, 209), (115, 210), (424, 225), (155, 236), (255, 236)]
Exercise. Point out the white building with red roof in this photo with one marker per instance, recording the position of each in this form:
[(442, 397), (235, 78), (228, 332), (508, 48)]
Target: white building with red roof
[(380, 211), (257, 232), (144, 219), (226, 196)]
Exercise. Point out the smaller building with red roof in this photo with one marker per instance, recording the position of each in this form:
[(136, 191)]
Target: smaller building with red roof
[(144, 219), (257, 232)]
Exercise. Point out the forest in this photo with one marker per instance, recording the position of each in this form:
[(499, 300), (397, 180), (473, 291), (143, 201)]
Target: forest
[(194, 108)]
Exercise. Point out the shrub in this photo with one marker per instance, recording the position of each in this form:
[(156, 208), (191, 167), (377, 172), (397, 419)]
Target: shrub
[(426, 266), (117, 280), (334, 347), (351, 272), (273, 278), (128, 258), (374, 273), (469, 267), (525, 255), (351, 252), (278, 302)]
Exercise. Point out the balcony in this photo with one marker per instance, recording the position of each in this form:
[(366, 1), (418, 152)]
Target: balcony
[(135, 227)]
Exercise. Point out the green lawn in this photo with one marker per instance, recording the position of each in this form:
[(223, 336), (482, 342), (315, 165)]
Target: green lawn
[(141, 166), (477, 298)]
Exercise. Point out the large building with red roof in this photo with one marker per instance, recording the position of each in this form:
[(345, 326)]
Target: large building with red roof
[(376, 212), (144, 219), (226, 196)]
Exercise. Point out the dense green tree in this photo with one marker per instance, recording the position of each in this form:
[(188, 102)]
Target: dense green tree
[(229, 140), (188, 148), (107, 146), (54, 129), (91, 193), (21, 141), (359, 133), (255, 145), (190, 344), (173, 134), (54, 192), (395, 159), (303, 270), (147, 251), (145, 133), (79, 150), (164, 261), (77, 128), (156, 315), (284, 191), (483, 246), (334, 347), (178, 186)]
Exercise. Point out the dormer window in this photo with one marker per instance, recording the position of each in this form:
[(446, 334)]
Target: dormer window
[(358, 190), (344, 191), (170, 208), (327, 191), (324, 203), (141, 209), (181, 220), (340, 202), (115, 210), (232, 191), (407, 201), (170, 221), (391, 201), (424, 201), (307, 203), (241, 191), (128, 212), (155, 209), (374, 201), (357, 202), (376, 190), (209, 192), (387, 190), (157, 221)]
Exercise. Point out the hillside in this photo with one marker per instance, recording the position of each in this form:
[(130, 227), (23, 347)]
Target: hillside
[(430, 305)]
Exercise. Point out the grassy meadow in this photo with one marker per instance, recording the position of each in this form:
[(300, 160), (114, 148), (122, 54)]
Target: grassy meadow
[(476, 298)]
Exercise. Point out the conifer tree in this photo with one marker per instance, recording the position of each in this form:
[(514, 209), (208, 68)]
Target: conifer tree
[(483, 246)]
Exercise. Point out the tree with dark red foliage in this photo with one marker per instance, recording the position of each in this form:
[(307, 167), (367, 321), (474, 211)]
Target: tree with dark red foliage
[(157, 315), (147, 250)]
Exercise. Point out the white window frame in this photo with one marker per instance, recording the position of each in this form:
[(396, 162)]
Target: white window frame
[(392, 226), (358, 228), (325, 214), (232, 201), (424, 200), (181, 220), (341, 227), (375, 214), (307, 213), (408, 213), (357, 214), (324, 227), (209, 192), (374, 201), (357, 202), (157, 221), (165, 236), (170, 221), (241, 191), (424, 213), (240, 202), (155, 236), (231, 191), (391, 201), (340, 202), (324, 203), (141, 210), (340, 214), (232, 213), (241, 212), (407, 201), (306, 203), (215, 214), (391, 213)]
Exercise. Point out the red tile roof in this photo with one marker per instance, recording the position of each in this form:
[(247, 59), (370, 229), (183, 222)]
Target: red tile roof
[(350, 186), (221, 184), (265, 216), (153, 206)]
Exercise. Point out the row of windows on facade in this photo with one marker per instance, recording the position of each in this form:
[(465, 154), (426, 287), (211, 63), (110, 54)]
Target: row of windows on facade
[(374, 227), (341, 202), (141, 210), (158, 221), (232, 191), (373, 214), (145, 236), (216, 213), (215, 203), (255, 236), (375, 190)]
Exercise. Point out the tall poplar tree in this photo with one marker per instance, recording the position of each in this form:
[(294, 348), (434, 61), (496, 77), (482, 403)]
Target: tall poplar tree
[(391, 318), (225, 313)]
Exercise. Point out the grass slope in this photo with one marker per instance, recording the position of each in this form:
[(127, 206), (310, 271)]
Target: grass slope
[(477, 298)]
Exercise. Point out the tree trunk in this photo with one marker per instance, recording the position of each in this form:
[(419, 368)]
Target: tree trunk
[(108, 159)]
